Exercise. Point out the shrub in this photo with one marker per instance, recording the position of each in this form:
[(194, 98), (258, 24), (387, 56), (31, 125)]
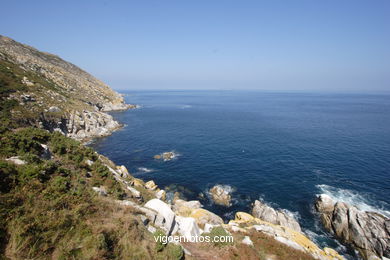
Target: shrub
[(218, 232), (8, 175)]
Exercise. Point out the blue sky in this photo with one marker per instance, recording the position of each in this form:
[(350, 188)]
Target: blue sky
[(333, 45)]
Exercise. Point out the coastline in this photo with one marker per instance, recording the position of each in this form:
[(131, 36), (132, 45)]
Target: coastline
[(243, 222)]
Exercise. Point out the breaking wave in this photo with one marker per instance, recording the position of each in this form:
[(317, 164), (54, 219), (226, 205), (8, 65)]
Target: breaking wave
[(144, 169), (362, 202)]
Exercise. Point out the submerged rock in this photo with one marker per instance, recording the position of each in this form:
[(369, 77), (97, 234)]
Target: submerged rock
[(221, 195), (368, 232), (264, 212), (166, 156)]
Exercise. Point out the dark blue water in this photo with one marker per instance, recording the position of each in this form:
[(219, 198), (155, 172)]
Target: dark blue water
[(283, 148)]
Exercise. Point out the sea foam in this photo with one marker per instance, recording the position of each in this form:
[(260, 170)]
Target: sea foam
[(359, 200)]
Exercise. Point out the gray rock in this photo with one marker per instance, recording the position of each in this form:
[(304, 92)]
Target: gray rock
[(54, 109), (278, 217), (46, 154), (367, 232)]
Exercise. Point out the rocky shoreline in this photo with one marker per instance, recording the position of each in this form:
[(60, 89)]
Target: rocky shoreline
[(189, 218), (367, 232), (50, 93)]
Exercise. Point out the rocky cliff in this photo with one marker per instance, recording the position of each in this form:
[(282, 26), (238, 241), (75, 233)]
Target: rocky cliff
[(368, 232), (57, 95)]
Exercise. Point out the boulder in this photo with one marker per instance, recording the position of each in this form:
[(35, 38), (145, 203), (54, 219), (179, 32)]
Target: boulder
[(100, 190), (221, 195), (324, 203), (123, 170), (187, 227), (150, 185), (247, 241), (16, 160), (89, 162), (203, 217), (137, 182), (134, 192), (161, 195), (367, 232), (54, 109), (264, 212), (46, 154), (165, 216), (184, 208)]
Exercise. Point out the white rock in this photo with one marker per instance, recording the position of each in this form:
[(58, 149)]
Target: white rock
[(134, 192), (237, 229), (150, 185), (46, 154), (89, 162), (151, 229), (290, 243), (187, 227), (100, 190), (16, 160), (165, 216), (124, 170), (54, 109), (208, 227), (161, 195), (247, 241)]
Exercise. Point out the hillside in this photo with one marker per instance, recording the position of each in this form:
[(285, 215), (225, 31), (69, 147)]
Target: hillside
[(61, 200), (53, 94)]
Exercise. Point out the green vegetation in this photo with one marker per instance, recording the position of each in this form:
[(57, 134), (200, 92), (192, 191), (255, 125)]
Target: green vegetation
[(218, 232), (49, 210)]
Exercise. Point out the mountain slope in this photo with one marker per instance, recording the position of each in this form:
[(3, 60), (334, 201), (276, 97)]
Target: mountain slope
[(54, 94)]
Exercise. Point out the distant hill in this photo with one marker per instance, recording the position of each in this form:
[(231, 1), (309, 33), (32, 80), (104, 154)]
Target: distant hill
[(54, 94)]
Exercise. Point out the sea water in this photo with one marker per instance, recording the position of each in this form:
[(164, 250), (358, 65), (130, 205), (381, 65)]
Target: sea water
[(282, 148)]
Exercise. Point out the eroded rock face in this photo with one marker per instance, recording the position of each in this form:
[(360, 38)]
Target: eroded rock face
[(221, 195), (368, 232), (264, 212)]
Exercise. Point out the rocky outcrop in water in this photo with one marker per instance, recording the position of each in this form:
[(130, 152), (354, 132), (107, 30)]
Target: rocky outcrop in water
[(278, 217), (368, 232), (221, 195), (166, 156)]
